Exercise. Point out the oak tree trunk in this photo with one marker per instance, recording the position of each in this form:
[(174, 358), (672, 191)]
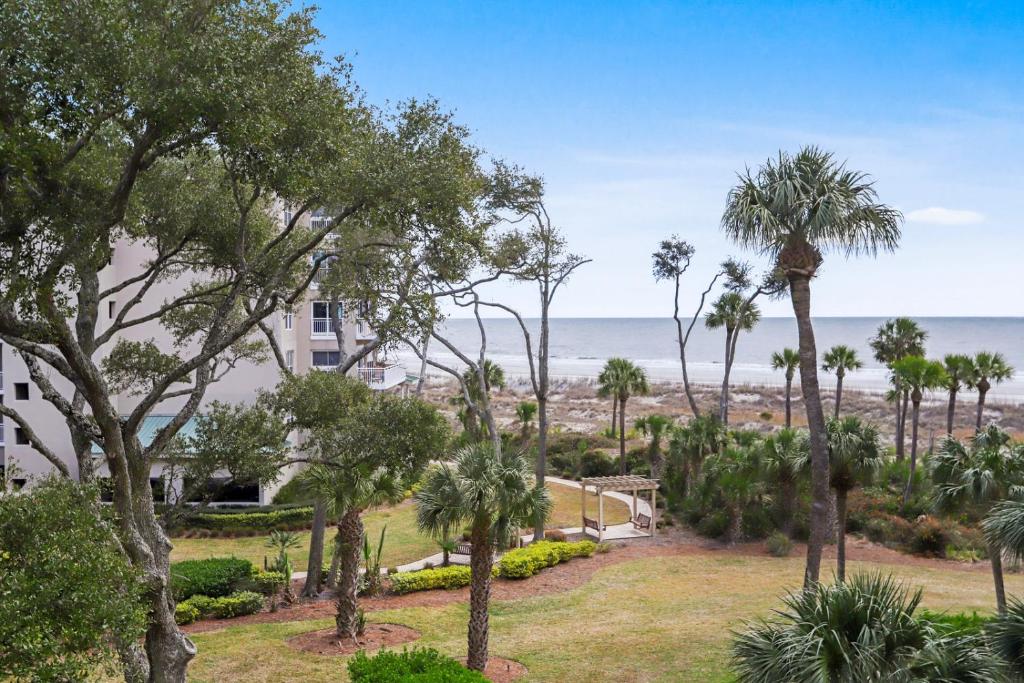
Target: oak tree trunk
[(350, 530), (542, 449), (800, 290), (481, 559)]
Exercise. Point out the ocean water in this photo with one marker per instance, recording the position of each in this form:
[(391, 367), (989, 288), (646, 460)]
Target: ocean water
[(580, 346)]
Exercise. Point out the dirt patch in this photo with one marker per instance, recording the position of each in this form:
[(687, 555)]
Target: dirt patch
[(501, 670), (376, 636)]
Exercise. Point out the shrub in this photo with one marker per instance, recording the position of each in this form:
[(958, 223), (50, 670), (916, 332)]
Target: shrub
[(597, 464), (714, 525), (291, 493), (267, 583), (428, 579), (603, 548), (288, 518), (930, 537), (419, 664), (215, 577), (186, 613), (956, 623), (523, 562), (757, 522), (779, 545), (555, 535)]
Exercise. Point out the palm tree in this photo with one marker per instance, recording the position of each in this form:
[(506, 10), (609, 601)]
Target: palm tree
[(917, 376), (784, 457), (733, 312), (493, 378), (788, 360), (959, 371), (989, 368), (853, 452), (347, 492), (795, 208), (605, 384), (623, 379), (989, 470), (840, 359), (525, 412), (495, 493), (734, 477), (691, 444), (654, 426), (896, 339)]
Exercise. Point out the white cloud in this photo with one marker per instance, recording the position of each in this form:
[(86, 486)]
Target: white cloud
[(937, 215)]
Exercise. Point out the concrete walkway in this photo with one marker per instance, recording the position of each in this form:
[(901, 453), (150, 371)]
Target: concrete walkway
[(613, 532)]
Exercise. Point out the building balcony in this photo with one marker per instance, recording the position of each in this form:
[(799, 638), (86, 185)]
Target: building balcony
[(364, 331), (381, 376), (322, 328)]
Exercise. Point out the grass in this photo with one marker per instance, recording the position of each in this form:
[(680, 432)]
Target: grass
[(661, 619), (403, 542)]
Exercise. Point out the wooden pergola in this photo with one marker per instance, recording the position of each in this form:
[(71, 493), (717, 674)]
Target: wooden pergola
[(626, 483)]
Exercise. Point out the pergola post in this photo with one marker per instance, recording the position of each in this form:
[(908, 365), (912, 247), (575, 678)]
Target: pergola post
[(583, 509), (654, 512), (634, 503), (600, 515)]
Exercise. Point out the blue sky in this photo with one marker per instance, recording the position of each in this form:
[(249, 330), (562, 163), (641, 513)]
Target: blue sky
[(639, 114)]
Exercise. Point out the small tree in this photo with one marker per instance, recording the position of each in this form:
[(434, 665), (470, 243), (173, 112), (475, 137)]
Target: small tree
[(959, 371), (895, 339), (735, 314), (840, 359), (787, 360), (525, 412), (917, 375), (69, 596), (853, 453), (496, 494), (989, 368), (655, 427), (734, 477), (784, 461), (623, 379)]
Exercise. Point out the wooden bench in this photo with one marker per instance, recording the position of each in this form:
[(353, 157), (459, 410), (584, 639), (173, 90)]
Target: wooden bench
[(642, 521), (589, 523), (463, 548)]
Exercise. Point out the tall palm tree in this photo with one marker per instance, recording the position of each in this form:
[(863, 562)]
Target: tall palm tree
[(898, 338), (623, 379), (959, 371), (784, 459), (982, 473), (733, 312), (347, 493), (605, 388), (840, 359), (795, 208), (989, 368), (787, 360), (917, 376), (495, 493), (853, 452)]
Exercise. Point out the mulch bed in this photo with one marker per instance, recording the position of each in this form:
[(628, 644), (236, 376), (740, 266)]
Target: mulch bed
[(376, 636), (569, 575), (501, 670)]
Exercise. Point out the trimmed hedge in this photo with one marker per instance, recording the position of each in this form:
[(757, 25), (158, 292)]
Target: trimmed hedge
[(423, 665), (455, 576), (215, 577), (289, 518), (524, 562), (267, 583), (226, 607)]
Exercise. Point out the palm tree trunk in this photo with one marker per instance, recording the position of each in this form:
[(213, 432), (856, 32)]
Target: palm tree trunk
[(995, 554), (913, 452), (622, 436), (481, 559), (950, 412), (615, 413), (350, 528), (735, 523), (841, 535), (981, 408), (901, 438), (800, 291), (335, 568), (314, 567), (542, 450), (723, 398), (839, 392), (789, 399), (896, 437)]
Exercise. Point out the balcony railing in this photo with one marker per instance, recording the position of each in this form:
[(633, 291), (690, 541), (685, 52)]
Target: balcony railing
[(364, 331), (322, 327), (383, 376), (320, 222)]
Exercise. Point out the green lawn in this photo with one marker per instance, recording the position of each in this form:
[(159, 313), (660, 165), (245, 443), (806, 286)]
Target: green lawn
[(402, 543), (662, 619)]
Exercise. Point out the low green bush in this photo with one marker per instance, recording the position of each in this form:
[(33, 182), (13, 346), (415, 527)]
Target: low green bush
[(714, 525), (455, 576), (779, 545), (523, 562), (267, 583), (955, 623), (186, 613), (597, 464), (422, 665), (930, 537), (284, 519), (225, 607), (214, 577)]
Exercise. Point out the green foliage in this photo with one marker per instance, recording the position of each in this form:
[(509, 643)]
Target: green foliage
[(949, 623), (419, 665), (371, 562), (455, 576), (64, 587), (1006, 637), (267, 582), (292, 493), (779, 545), (525, 562), (930, 537), (236, 604), (216, 576), (714, 525), (291, 518)]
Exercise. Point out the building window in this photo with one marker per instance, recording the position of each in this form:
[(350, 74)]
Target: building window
[(289, 360), (287, 216), (321, 320), (19, 437), (110, 310), (326, 359), (289, 320), (21, 391)]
